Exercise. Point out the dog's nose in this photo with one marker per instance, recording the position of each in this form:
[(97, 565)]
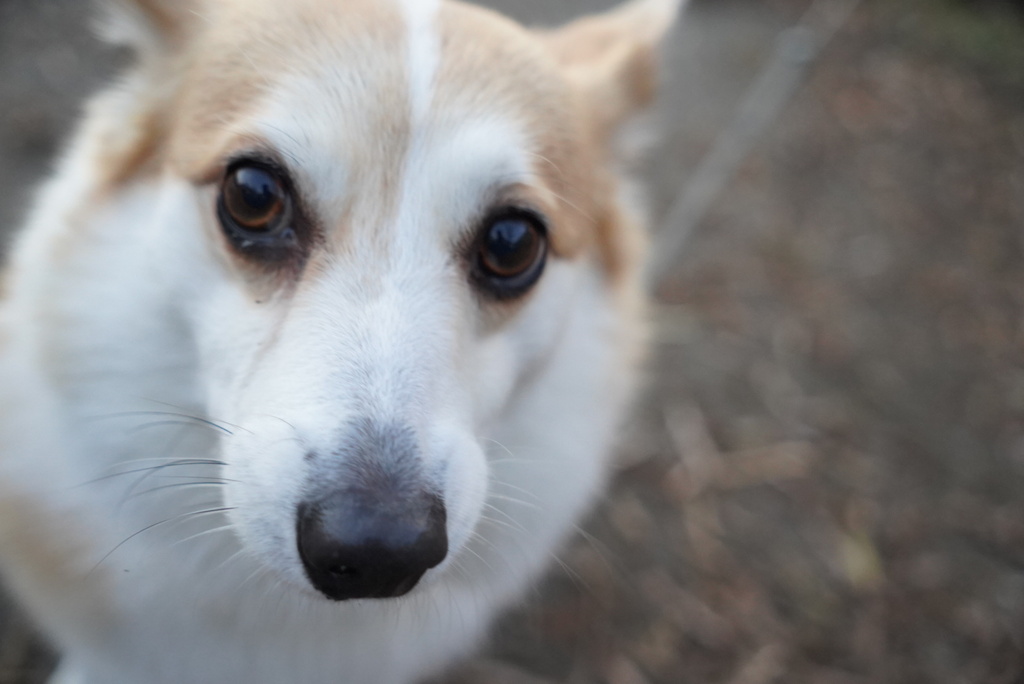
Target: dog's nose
[(353, 550)]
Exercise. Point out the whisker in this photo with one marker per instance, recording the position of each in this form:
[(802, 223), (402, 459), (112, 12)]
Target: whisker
[(172, 464), (150, 473), (511, 519), (488, 544), (497, 443), (259, 571), (240, 553), (516, 459), (176, 518), (611, 562), (161, 423), (159, 459), (278, 418), (136, 414), (207, 483), (180, 409), (223, 528), (512, 499), (501, 523), (198, 477), (574, 576)]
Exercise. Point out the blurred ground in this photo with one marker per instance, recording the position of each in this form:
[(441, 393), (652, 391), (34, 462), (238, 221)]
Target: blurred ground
[(823, 483)]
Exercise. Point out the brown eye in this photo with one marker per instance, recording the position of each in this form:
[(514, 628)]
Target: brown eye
[(255, 209), (511, 253), (254, 198)]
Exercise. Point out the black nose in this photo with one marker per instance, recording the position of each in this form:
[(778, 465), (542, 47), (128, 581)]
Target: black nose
[(353, 548)]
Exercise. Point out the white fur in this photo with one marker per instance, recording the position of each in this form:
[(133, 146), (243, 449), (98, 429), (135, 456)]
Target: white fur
[(424, 53), (142, 320)]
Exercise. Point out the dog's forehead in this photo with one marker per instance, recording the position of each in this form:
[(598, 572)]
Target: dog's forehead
[(375, 70), (354, 94)]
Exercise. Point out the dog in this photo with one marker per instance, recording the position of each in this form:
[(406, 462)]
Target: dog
[(314, 348)]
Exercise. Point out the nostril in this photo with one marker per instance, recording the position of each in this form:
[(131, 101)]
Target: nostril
[(352, 549), (344, 571)]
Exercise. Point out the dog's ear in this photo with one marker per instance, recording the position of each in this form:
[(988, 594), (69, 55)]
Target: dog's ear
[(152, 29), (613, 57), (131, 118)]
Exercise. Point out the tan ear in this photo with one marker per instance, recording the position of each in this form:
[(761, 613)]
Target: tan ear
[(131, 119), (613, 57), (152, 28)]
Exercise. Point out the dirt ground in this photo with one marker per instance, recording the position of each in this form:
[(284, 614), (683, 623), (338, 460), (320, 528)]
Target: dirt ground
[(823, 482)]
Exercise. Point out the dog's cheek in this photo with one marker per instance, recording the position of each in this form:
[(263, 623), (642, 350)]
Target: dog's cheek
[(507, 359), (262, 462), (181, 232)]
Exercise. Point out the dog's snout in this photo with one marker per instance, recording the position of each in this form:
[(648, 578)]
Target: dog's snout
[(353, 548)]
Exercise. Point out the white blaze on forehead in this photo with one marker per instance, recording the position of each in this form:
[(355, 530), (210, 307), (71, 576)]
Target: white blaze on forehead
[(424, 52)]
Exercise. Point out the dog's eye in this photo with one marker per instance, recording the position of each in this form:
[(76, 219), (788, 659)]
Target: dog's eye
[(254, 198), (255, 210), (511, 252)]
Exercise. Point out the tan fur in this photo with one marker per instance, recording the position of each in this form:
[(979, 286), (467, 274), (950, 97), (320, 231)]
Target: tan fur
[(132, 153), (276, 38), (168, 17), (526, 83), (51, 546), (545, 79)]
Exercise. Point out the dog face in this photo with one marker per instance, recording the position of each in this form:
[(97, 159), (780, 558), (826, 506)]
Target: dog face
[(389, 226)]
